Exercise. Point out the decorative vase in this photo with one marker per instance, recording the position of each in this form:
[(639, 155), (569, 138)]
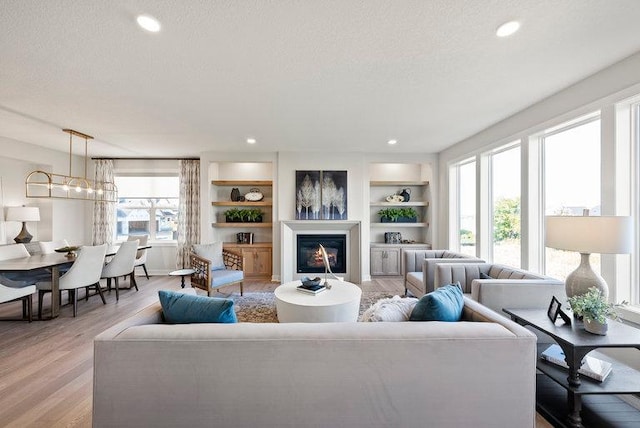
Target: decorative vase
[(595, 327), (235, 194), (406, 195)]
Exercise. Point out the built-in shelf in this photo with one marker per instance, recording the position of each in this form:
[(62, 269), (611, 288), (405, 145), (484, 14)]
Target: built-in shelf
[(264, 203), (400, 204), (398, 183), (397, 225), (243, 225), (242, 182)]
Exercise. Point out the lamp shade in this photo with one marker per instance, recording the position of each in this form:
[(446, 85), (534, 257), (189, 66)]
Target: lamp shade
[(23, 214), (590, 234)]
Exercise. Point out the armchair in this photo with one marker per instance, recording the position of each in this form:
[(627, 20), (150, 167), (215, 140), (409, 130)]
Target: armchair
[(208, 275), (498, 286), (419, 267)]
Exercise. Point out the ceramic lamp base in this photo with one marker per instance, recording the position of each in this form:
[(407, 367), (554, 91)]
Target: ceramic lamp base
[(24, 236), (583, 278)]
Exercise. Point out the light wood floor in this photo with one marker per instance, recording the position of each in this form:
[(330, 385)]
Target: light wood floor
[(46, 367)]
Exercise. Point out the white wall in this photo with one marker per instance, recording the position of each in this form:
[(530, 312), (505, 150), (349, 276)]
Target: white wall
[(59, 219), (598, 91)]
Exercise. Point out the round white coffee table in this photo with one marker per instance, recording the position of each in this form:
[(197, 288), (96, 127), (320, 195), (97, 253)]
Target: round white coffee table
[(341, 303)]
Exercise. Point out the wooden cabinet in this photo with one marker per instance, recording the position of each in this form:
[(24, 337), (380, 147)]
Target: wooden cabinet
[(385, 261), (388, 259), (256, 258)]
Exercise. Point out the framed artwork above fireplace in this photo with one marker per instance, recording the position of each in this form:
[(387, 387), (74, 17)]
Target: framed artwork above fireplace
[(321, 195)]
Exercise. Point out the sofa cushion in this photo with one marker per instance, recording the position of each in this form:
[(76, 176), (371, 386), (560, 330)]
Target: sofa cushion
[(181, 308), (226, 276), (394, 308), (211, 252), (484, 276), (443, 304)]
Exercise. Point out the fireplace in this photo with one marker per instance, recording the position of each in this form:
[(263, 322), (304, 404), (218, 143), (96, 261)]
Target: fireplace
[(308, 258)]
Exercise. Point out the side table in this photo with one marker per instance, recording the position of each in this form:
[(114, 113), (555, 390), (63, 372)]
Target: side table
[(182, 273), (576, 343)]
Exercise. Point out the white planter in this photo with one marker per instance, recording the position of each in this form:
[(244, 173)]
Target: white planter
[(595, 327)]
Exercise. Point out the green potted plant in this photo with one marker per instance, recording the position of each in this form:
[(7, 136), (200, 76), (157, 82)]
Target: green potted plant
[(245, 215), (594, 309), (398, 215)]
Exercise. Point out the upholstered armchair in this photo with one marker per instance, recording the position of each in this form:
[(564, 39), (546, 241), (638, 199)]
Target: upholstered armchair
[(498, 286), (419, 267), (215, 267)]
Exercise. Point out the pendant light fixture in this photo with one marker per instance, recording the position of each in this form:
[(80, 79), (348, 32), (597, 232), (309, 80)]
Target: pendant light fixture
[(42, 184)]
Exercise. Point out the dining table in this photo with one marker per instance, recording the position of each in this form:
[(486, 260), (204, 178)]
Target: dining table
[(40, 261), (53, 262)]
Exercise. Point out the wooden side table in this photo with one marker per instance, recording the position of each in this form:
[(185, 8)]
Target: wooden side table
[(182, 273)]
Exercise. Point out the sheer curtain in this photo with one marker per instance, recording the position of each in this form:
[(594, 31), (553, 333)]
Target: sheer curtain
[(103, 212), (189, 210)]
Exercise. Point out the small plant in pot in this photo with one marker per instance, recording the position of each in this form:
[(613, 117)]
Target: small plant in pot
[(398, 215), (248, 215), (594, 310)]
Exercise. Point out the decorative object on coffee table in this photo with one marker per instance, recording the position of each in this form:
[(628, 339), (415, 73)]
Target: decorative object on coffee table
[(327, 267), (588, 234), (594, 310)]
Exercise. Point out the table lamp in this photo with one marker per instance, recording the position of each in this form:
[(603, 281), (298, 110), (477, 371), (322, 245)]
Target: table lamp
[(586, 235), (23, 214)]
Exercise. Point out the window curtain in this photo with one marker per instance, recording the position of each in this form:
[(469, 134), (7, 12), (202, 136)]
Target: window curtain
[(103, 212), (189, 210)]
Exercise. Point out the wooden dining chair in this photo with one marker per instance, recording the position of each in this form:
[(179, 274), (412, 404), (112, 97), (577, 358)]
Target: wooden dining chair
[(84, 273)]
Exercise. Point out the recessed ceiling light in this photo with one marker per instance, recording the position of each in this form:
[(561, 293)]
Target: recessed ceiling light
[(392, 142), (251, 140), (149, 23), (508, 28)]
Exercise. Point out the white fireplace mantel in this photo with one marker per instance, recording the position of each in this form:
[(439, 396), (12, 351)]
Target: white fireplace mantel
[(289, 229)]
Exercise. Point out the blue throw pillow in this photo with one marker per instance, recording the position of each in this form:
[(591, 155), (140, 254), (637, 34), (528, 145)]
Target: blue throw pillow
[(443, 304), (180, 308)]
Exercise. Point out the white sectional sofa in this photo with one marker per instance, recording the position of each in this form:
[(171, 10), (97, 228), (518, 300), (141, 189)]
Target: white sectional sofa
[(478, 372)]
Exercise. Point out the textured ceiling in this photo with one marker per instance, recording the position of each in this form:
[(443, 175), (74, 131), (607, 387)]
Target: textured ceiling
[(297, 75)]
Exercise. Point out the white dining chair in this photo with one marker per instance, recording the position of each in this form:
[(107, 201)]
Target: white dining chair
[(18, 279), (121, 265), (10, 294), (141, 255), (49, 247), (84, 273)]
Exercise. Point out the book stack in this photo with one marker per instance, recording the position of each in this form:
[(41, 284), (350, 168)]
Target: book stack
[(592, 367), (311, 289)]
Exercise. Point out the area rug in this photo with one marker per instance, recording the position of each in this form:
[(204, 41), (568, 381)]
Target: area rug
[(261, 306)]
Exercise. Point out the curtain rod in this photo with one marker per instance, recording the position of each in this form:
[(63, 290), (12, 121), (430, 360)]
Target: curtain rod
[(107, 158)]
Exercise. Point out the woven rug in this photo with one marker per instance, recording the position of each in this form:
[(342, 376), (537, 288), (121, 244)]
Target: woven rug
[(261, 307)]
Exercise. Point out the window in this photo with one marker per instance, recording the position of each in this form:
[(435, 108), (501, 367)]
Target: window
[(147, 205), (467, 207), (505, 205), (571, 184)]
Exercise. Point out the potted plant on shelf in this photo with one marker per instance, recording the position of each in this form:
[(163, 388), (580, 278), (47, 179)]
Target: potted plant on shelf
[(594, 309), (398, 215), (245, 215)]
